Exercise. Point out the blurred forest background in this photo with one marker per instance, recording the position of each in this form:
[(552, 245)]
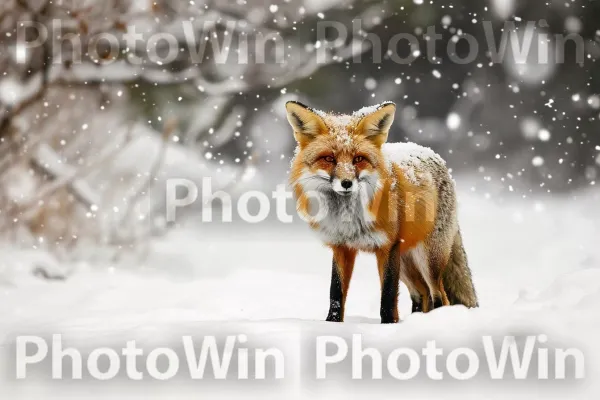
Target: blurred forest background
[(88, 138)]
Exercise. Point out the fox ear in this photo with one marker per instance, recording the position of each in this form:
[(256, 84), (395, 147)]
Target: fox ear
[(305, 122), (376, 124)]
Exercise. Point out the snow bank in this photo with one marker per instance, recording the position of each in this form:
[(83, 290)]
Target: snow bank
[(537, 274)]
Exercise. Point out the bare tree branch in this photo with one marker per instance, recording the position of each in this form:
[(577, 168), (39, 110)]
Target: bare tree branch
[(66, 180), (169, 129)]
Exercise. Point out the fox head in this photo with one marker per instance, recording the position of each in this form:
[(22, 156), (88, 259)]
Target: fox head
[(339, 154)]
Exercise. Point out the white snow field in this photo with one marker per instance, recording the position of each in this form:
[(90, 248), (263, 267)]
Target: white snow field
[(535, 264)]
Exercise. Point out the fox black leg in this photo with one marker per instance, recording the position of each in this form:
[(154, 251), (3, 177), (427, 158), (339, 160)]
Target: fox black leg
[(390, 287), (437, 302), (336, 296), (417, 303)]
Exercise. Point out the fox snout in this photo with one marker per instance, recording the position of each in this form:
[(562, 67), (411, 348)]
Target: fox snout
[(344, 179), (345, 187)]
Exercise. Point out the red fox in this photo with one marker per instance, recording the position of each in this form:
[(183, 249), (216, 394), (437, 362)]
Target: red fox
[(396, 200)]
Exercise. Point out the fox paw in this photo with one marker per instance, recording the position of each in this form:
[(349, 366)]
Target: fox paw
[(389, 318), (334, 316)]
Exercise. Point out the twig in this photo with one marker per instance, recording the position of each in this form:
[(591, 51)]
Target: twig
[(169, 129), (49, 161), (39, 95), (32, 143)]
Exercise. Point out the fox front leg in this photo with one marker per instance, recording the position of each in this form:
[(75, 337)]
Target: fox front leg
[(336, 296), (341, 273), (389, 275)]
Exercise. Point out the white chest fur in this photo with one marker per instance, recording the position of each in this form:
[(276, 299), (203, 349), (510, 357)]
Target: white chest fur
[(348, 222)]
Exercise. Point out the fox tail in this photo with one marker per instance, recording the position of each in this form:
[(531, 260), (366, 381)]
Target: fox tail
[(457, 279)]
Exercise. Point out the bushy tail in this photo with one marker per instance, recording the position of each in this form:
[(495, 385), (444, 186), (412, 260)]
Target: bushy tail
[(457, 279)]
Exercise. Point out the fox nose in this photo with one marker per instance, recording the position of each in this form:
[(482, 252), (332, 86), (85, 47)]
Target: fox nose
[(346, 184)]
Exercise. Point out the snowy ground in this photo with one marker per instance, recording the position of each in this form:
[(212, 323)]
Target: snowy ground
[(536, 264)]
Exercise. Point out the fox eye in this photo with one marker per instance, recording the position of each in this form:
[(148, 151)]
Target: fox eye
[(358, 159), (329, 159)]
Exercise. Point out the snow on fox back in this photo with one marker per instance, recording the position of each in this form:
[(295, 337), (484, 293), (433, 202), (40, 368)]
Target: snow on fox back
[(412, 159)]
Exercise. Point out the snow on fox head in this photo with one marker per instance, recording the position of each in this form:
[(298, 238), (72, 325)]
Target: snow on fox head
[(339, 156)]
